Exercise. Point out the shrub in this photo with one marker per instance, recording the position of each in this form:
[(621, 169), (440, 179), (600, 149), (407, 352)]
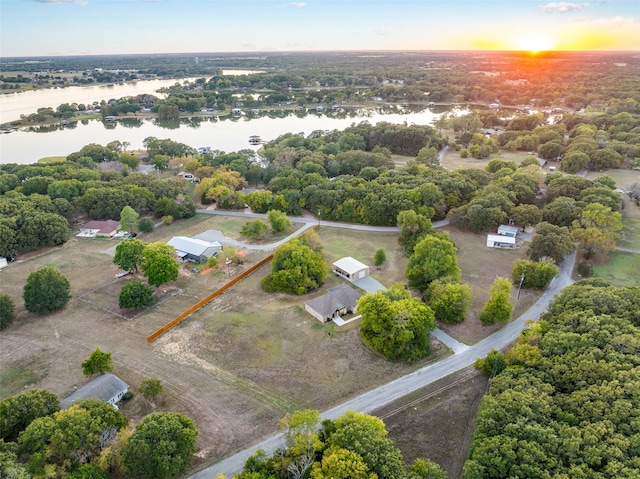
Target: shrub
[(585, 269), (167, 220), (464, 153), (135, 294), (46, 290), (7, 309), (380, 257), (146, 225)]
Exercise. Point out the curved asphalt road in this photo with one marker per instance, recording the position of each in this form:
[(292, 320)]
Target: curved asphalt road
[(400, 387)]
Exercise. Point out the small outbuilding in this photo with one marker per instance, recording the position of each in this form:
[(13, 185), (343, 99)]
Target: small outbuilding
[(108, 387), (499, 241), (192, 249), (508, 230), (350, 268), (3, 262), (95, 229), (339, 300)]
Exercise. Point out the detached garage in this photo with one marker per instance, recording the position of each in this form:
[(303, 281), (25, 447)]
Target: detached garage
[(350, 268), (499, 241)]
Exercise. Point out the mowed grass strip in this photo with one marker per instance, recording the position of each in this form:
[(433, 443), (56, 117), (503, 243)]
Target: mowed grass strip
[(630, 233), (621, 269)]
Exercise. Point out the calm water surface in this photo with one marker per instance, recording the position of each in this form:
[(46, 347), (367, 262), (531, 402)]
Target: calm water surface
[(28, 145)]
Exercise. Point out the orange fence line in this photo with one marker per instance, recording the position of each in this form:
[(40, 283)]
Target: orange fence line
[(217, 292)]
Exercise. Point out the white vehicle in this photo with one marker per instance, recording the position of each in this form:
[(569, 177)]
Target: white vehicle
[(121, 234)]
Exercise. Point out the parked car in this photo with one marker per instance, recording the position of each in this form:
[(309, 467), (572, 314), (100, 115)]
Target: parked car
[(132, 235), (121, 234)]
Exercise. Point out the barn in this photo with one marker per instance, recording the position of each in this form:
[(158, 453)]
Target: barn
[(192, 249)]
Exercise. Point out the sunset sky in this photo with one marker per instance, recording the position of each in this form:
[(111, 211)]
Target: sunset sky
[(85, 27)]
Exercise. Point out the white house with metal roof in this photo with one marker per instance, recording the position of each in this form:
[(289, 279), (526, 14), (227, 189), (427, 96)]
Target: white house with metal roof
[(108, 387), (192, 249), (350, 268)]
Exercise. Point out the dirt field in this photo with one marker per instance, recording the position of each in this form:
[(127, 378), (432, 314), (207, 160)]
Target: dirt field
[(437, 422)]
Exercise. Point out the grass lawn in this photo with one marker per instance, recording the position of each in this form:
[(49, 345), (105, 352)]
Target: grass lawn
[(630, 233), (453, 161), (49, 160), (621, 269)]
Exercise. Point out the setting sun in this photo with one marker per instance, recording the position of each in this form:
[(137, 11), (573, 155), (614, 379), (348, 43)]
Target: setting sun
[(535, 42)]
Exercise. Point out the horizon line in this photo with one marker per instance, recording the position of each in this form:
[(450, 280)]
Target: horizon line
[(274, 52)]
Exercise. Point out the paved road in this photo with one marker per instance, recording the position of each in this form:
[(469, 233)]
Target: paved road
[(389, 392), (627, 250)]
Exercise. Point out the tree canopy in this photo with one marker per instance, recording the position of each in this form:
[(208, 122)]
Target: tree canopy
[(161, 446), (46, 290), (566, 404), (433, 257), (158, 264), (129, 254), (396, 324), (98, 363), (297, 268)]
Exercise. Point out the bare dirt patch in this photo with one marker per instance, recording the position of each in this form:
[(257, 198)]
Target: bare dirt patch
[(437, 422)]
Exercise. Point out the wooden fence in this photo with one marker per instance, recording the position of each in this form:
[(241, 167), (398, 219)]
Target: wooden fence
[(217, 292)]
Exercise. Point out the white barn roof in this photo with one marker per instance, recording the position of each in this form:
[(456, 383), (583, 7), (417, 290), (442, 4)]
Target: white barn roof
[(350, 265), (192, 246)]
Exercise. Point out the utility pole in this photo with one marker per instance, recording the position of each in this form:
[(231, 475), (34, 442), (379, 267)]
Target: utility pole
[(520, 286)]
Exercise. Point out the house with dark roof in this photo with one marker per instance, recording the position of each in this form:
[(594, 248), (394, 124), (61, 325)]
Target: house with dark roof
[(108, 387), (93, 229), (193, 249), (337, 301)]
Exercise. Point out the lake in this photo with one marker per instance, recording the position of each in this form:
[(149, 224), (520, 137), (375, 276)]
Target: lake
[(228, 134), (13, 105)]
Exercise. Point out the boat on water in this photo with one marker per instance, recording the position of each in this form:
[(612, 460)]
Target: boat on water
[(255, 140)]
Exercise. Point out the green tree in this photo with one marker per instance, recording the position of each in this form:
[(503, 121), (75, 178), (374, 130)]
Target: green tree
[(340, 463), (128, 218), (161, 162), (433, 257), (498, 307), (426, 469), (536, 274), (158, 264), (296, 269), (562, 211), (17, 412), (254, 229), (526, 215), (129, 254), (450, 301), (161, 446), (46, 290), (413, 228), (150, 388), (367, 436), (380, 257), (278, 220), (492, 364), (597, 230), (550, 241), (396, 324), (97, 363), (135, 294), (7, 310), (146, 225)]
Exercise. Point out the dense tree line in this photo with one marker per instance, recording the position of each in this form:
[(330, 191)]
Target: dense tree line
[(566, 405), (89, 439), (38, 202)]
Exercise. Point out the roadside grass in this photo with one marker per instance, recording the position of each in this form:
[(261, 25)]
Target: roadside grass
[(630, 233), (623, 177), (621, 269)]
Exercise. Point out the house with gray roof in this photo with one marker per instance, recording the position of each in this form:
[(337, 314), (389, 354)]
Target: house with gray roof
[(193, 249), (337, 301), (108, 387)]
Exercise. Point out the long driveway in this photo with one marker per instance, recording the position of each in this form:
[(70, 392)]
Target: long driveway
[(463, 357)]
